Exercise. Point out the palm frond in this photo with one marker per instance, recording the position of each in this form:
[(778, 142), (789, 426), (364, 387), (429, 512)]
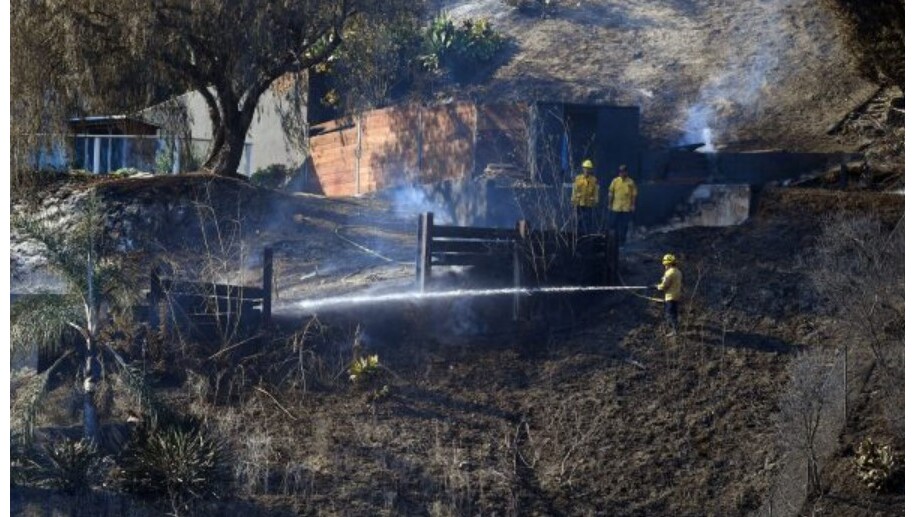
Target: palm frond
[(135, 383), (32, 394), (114, 283), (40, 321)]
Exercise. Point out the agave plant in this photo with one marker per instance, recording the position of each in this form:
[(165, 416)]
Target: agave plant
[(182, 464), (70, 465), (95, 286)]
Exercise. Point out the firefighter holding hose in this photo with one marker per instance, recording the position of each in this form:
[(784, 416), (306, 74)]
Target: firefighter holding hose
[(585, 192), (671, 285)]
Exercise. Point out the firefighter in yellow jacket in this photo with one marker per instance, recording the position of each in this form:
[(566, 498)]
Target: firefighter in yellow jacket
[(585, 192), (621, 201), (671, 285)]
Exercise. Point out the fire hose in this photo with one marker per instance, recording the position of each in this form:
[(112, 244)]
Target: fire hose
[(388, 259), (633, 293)]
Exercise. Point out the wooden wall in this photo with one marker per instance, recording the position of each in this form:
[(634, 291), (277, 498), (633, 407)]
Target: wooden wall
[(414, 144)]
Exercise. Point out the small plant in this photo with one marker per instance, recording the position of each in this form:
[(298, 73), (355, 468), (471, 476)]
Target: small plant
[(180, 464), (379, 395), (331, 98), (165, 160), (877, 465), (70, 465), (364, 369), (479, 41)]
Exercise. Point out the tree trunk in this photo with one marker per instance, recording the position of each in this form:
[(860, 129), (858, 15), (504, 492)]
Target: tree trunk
[(224, 159), (92, 372), (230, 127)]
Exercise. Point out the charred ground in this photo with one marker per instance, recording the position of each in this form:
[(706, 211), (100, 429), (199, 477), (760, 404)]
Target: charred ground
[(594, 413)]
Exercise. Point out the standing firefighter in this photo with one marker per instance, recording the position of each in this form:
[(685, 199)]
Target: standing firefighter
[(671, 285), (585, 191), (621, 201)]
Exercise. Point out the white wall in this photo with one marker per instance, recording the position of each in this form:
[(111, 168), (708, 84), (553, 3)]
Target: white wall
[(266, 136)]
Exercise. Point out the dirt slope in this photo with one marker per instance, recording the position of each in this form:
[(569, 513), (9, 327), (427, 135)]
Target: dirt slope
[(758, 73)]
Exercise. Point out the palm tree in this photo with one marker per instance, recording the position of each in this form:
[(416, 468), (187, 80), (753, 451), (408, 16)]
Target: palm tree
[(96, 285)]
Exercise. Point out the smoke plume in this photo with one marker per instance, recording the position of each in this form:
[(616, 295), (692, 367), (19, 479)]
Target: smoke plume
[(737, 85)]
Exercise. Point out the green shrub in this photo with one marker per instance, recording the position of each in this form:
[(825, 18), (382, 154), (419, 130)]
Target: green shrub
[(459, 47), (180, 464), (275, 176), (69, 465), (478, 41), (165, 160)]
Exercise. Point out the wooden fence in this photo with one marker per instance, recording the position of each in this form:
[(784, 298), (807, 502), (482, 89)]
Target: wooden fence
[(207, 308), (415, 144), (536, 256)]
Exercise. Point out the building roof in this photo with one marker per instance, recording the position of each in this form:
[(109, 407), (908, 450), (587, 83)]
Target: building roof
[(121, 123)]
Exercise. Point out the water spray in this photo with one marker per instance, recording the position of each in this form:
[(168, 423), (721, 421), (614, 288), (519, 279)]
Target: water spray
[(347, 301)]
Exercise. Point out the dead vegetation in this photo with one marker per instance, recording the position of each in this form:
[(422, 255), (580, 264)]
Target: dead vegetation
[(737, 416)]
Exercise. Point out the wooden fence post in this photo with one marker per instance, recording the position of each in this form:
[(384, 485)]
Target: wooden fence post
[(267, 306), (155, 294), (424, 250)]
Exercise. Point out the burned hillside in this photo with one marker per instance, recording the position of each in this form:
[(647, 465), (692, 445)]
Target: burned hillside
[(530, 258), (584, 408)]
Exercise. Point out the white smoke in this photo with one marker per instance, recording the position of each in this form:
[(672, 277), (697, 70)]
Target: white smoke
[(740, 80), (409, 200)]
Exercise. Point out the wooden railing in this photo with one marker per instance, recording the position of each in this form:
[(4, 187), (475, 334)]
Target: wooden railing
[(202, 303), (534, 255)]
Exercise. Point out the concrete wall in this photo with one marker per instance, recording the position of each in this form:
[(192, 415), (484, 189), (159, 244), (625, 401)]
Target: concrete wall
[(755, 168)]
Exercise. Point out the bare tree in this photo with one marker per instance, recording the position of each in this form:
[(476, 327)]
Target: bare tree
[(859, 271), (811, 417)]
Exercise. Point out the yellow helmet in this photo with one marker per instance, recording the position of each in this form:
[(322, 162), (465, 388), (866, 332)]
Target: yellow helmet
[(669, 259), (587, 164)]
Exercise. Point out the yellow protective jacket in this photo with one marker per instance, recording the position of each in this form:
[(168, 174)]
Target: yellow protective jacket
[(623, 193), (585, 191), (671, 284)]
